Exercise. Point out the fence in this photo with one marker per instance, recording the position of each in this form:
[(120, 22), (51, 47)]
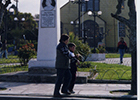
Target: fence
[(113, 70), (110, 74)]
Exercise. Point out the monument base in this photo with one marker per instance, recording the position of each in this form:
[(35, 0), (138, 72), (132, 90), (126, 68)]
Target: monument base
[(41, 67), (82, 77)]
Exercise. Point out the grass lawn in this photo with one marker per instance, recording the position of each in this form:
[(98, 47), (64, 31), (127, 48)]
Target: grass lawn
[(116, 55), (105, 71), (110, 71), (9, 69), (9, 60)]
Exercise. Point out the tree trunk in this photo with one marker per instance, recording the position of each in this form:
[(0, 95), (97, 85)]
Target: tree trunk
[(133, 50), (131, 23), (1, 14), (134, 74)]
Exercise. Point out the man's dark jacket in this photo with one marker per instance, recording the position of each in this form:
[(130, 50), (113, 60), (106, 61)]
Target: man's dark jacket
[(63, 56)]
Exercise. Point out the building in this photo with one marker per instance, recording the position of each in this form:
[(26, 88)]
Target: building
[(107, 29)]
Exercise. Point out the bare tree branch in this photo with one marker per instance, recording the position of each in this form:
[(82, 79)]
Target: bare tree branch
[(3, 8), (119, 7), (121, 19), (7, 3)]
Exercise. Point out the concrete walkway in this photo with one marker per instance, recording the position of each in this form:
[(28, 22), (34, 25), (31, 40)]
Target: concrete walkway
[(85, 91), (126, 61)]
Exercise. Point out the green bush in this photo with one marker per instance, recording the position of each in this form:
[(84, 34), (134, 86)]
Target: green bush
[(81, 48), (25, 53), (99, 49), (85, 65)]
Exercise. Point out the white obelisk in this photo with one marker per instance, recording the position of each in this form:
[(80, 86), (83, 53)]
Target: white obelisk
[(48, 37)]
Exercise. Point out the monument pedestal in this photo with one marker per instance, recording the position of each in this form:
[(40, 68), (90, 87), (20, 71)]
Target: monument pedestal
[(48, 38), (41, 67)]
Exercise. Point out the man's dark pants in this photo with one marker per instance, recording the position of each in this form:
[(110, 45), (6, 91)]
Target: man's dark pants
[(63, 75)]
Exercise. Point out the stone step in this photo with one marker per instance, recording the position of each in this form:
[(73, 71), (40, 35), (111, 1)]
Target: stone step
[(82, 77), (37, 78), (66, 97)]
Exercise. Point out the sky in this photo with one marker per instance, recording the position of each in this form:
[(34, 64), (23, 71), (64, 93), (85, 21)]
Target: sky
[(32, 6)]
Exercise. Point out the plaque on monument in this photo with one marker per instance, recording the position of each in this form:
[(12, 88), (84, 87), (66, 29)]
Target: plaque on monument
[(48, 19), (48, 14)]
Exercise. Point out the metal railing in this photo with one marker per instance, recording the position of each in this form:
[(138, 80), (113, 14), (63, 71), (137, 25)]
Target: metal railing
[(108, 74)]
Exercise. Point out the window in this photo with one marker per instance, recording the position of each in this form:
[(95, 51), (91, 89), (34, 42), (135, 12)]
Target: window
[(96, 5), (121, 29), (84, 6), (93, 5), (90, 5)]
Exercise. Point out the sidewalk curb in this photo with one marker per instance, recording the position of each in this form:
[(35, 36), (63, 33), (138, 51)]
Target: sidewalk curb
[(109, 81), (68, 97)]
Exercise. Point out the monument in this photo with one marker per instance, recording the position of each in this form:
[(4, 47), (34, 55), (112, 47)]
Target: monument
[(48, 37)]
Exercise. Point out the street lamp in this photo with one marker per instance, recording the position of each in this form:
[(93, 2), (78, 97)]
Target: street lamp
[(16, 19), (79, 2), (11, 10), (75, 25), (16, 6), (94, 14)]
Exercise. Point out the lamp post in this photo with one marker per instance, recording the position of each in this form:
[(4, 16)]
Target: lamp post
[(90, 13), (16, 6), (79, 2), (75, 23), (11, 10), (5, 25), (16, 19)]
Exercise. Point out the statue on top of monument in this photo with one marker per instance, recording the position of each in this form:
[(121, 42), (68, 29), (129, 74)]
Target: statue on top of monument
[(48, 4)]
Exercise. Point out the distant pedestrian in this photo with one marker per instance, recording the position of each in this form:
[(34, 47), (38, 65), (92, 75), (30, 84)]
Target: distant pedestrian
[(63, 67), (0, 45), (122, 46), (73, 67), (4, 49)]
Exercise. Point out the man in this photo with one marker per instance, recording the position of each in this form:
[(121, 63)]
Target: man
[(122, 46), (63, 56), (4, 49)]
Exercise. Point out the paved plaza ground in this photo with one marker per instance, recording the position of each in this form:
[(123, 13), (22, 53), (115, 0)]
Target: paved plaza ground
[(86, 91), (126, 61)]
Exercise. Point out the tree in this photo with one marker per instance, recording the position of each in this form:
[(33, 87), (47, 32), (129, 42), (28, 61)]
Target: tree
[(36, 16), (3, 7), (16, 29), (131, 23)]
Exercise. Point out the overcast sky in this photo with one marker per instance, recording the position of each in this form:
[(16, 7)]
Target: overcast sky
[(33, 6)]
